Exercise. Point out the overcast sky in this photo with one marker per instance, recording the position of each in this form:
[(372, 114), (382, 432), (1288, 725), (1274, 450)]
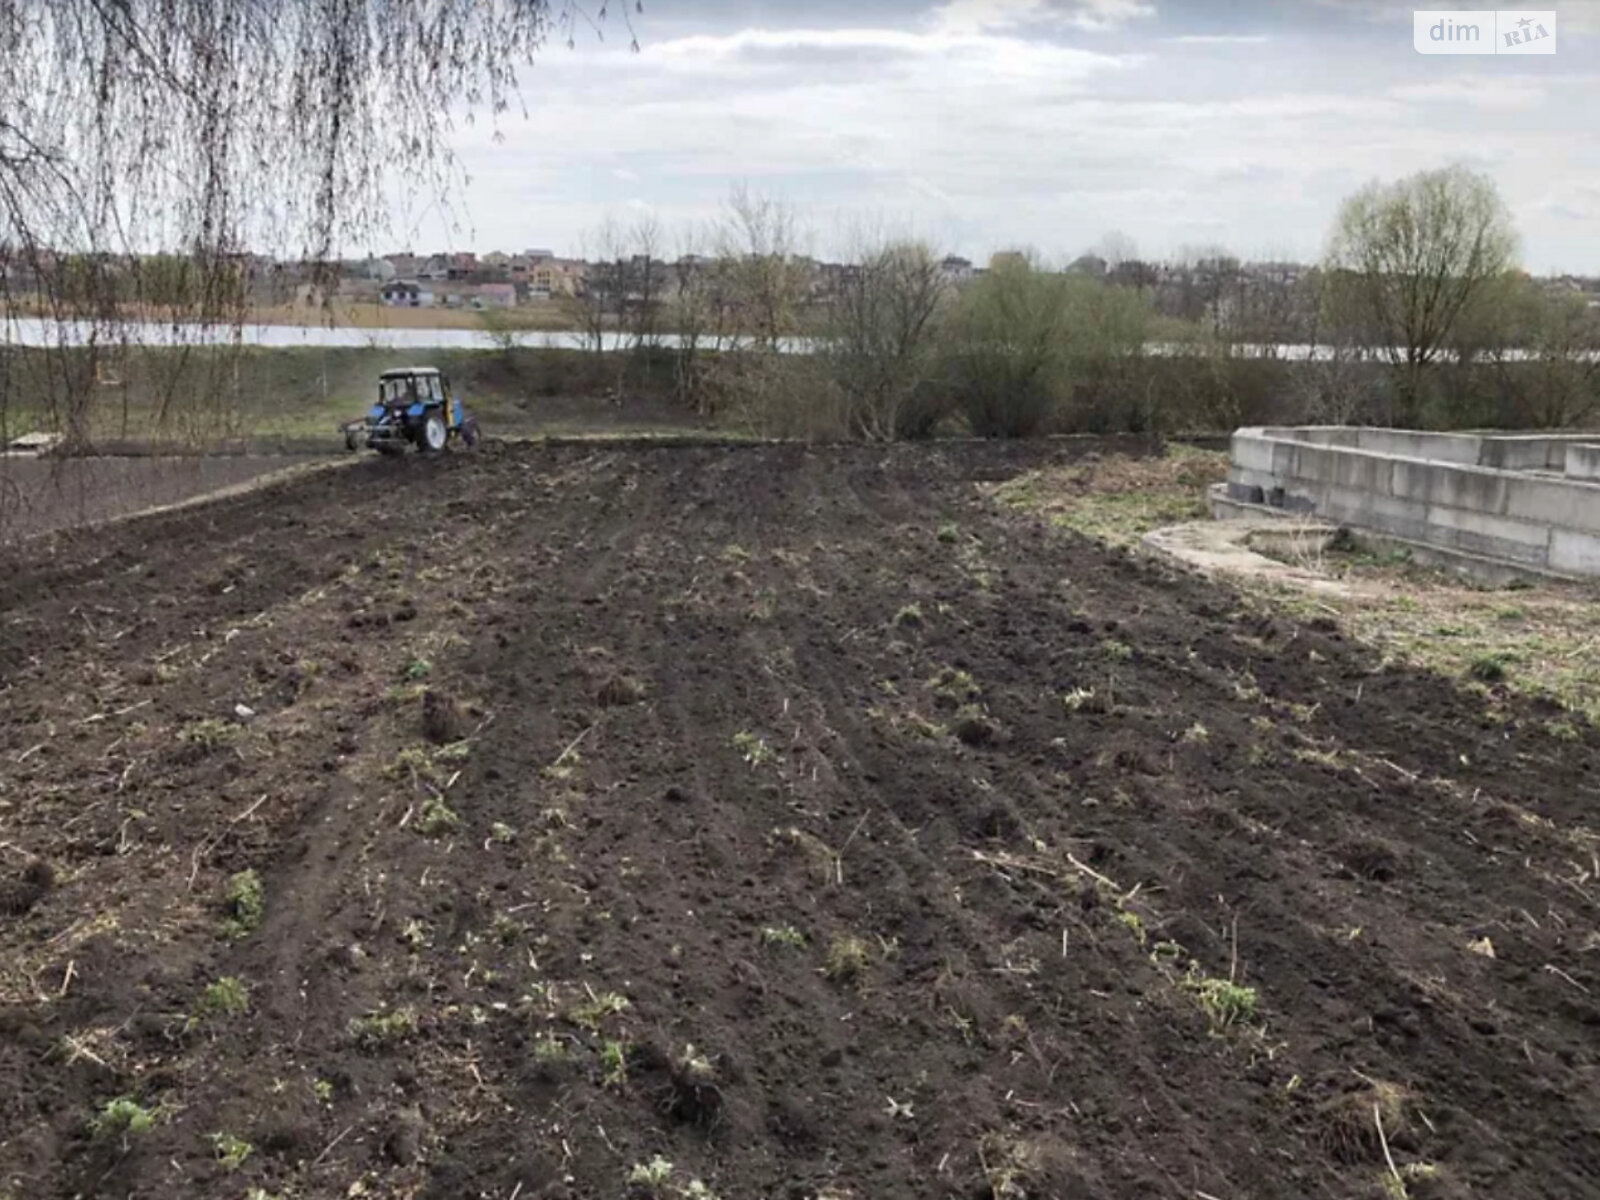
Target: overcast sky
[(983, 124)]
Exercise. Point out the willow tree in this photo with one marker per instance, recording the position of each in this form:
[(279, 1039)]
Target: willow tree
[(1418, 253), (208, 128)]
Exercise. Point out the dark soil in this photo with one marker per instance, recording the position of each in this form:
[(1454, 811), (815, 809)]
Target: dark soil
[(41, 495), (706, 854)]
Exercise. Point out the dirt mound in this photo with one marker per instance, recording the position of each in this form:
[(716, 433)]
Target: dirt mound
[(787, 822)]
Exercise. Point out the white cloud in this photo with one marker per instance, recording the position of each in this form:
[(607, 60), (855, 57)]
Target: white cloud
[(1219, 39), (984, 134), (972, 17), (1504, 95)]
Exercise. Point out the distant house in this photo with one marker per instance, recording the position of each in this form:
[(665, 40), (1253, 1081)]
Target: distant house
[(1091, 265), (956, 269), (495, 295), (403, 293), (435, 270), (549, 277)]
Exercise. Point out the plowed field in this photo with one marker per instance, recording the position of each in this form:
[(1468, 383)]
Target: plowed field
[(759, 822)]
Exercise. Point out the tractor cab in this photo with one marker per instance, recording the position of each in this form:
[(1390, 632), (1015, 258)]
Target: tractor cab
[(415, 406)]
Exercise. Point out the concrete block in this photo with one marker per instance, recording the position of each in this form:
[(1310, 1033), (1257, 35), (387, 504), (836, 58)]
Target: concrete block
[(1569, 504), (1386, 514), (1434, 447), (1284, 457), (1504, 528), (1574, 553), (1582, 461), (1244, 477), (1454, 486), (1369, 472), (1496, 537), (1254, 453), (1516, 453)]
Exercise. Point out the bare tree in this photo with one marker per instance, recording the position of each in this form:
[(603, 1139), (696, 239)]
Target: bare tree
[(1421, 249), (594, 304), (702, 317), (1335, 383), (644, 280), (880, 340), (760, 239)]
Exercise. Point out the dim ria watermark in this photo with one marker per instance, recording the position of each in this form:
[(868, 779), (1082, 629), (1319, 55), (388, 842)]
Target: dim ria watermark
[(1484, 31)]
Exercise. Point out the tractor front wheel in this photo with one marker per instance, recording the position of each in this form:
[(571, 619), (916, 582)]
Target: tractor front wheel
[(434, 433)]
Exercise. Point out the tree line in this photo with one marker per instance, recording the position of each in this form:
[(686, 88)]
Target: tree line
[(1418, 313)]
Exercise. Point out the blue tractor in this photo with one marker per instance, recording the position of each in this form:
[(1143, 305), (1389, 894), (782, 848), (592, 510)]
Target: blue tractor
[(415, 407)]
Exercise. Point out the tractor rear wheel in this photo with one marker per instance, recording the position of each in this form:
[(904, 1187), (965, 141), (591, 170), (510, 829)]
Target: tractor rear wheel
[(434, 433), (469, 432)]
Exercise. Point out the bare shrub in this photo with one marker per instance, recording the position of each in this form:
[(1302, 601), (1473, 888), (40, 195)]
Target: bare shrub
[(1005, 353), (880, 338)]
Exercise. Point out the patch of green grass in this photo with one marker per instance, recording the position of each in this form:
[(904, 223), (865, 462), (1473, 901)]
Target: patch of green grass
[(955, 687), (909, 617), (782, 935), (1488, 668), (1079, 699), (378, 1030), (123, 1115), (613, 1064), (1133, 923), (1225, 1002), (949, 533), (594, 1008), (246, 901), (209, 733), (323, 1090), (225, 997), (847, 959), (655, 1174), (437, 818), (502, 833), (755, 750), (417, 668), (548, 1048), (411, 762), (1120, 499), (231, 1150), (1115, 650)]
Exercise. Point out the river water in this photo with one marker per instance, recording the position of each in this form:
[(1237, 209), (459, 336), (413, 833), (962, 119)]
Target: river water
[(38, 331)]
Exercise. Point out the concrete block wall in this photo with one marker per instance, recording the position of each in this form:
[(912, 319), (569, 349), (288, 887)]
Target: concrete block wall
[(1453, 492)]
